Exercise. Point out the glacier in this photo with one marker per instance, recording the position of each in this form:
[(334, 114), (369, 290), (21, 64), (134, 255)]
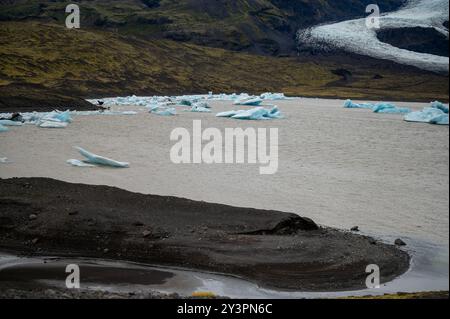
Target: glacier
[(354, 36)]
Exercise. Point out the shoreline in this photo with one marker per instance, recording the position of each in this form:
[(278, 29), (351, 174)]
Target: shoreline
[(272, 249)]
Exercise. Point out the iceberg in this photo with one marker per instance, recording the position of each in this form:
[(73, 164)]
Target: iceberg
[(200, 109), (100, 160), (386, 108), (272, 96), (257, 113), (428, 115), (250, 101), (390, 109), (349, 104), (78, 163), (229, 113), (53, 124), (3, 129), (440, 106), (10, 123), (163, 111)]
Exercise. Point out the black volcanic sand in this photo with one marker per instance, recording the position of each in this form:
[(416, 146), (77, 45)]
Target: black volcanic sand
[(40, 216)]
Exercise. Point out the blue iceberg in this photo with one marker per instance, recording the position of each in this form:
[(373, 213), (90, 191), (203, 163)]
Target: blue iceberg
[(390, 109), (349, 104), (428, 115), (10, 123), (386, 108), (440, 106)]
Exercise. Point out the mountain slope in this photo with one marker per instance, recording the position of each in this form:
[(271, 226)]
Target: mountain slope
[(259, 26)]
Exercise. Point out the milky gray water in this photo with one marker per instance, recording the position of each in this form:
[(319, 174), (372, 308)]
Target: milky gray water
[(340, 167)]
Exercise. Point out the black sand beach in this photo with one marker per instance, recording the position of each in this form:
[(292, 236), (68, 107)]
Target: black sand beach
[(40, 216)]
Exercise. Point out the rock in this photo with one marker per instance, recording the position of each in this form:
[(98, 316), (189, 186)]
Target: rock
[(399, 242), (106, 250), (35, 241), (32, 217), (72, 213), (138, 224), (355, 229)]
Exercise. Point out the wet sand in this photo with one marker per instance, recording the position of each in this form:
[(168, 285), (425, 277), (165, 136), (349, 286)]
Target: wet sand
[(271, 248), (339, 167)]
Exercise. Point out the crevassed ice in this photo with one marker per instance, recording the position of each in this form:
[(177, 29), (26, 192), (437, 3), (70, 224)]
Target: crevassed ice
[(354, 36)]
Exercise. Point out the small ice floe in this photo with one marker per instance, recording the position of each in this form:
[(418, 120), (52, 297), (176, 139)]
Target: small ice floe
[(94, 159), (78, 163), (52, 124), (440, 106), (249, 101), (4, 160), (428, 115), (387, 108), (390, 109), (10, 123), (200, 108), (349, 104), (273, 96), (257, 113), (163, 110)]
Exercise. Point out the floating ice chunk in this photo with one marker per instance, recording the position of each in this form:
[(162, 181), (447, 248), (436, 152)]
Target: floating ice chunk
[(185, 102), (10, 123), (100, 160), (440, 106), (53, 124), (229, 113), (250, 101), (78, 163), (199, 109), (349, 104), (4, 160), (58, 117), (163, 111), (273, 96), (3, 128), (428, 115), (257, 113), (390, 108)]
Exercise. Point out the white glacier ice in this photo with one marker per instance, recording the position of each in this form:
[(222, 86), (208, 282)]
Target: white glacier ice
[(78, 163), (52, 124), (354, 36), (92, 158)]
